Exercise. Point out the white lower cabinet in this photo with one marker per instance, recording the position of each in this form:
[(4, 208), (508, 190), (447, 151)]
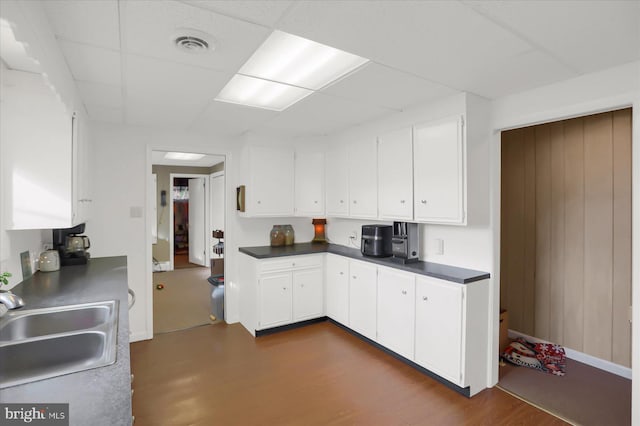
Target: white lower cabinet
[(396, 310), (337, 288), (363, 297), (439, 319), (275, 299), (451, 326), (280, 291), (308, 294)]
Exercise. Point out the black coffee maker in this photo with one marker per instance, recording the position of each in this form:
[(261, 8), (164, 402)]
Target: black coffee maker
[(71, 245)]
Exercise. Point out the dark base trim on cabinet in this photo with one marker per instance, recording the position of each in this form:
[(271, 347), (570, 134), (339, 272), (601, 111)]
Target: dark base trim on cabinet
[(289, 326), (462, 391)]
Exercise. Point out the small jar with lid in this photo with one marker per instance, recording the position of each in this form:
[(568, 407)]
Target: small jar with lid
[(289, 235), (277, 236)]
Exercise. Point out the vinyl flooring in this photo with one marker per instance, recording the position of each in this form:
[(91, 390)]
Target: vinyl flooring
[(315, 375)]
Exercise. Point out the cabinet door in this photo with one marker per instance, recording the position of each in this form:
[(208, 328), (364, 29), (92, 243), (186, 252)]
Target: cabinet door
[(363, 179), (271, 175), (363, 296), (439, 327), (274, 300), (337, 182), (396, 310), (309, 184), (439, 172), (337, 288), (395, 175), (308, 294)]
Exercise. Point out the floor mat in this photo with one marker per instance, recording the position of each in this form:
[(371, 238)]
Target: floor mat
[(584, 396)]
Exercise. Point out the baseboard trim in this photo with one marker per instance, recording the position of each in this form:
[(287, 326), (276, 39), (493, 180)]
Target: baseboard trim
[(591, 360), (299, 324)]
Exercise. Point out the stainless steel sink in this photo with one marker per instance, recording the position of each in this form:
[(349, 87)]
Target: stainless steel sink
[(43, 343)]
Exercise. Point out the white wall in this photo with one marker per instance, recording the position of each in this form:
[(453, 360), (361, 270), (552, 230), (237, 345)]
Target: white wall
[(615, 88)]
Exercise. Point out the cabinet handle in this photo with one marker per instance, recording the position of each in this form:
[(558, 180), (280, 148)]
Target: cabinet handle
[(401, 201), (423, 201), (284, 288), (354, 277), (341, 201), (293, 264), (341, 273), (259, 202), (404, 291), (315, 202), (425, 298), (301, 285), (355, 202)]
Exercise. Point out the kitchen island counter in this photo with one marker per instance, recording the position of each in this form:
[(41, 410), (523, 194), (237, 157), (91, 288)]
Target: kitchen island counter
[(100, 396)]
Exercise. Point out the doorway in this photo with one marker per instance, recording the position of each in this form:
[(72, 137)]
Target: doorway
[(182, 250), (565, 274)]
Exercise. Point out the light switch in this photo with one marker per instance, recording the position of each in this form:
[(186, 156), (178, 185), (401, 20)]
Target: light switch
[(437, 246), (135, 211)]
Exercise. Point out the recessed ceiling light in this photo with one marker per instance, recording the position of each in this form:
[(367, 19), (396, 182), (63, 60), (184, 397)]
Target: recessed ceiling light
[(285, 69), (259, 93), (185, 156)]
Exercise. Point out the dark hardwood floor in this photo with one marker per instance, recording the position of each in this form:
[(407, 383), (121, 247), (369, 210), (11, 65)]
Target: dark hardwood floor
[(315, 375)]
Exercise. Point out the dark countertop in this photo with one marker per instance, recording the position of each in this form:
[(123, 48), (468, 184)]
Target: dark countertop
[(436, 270), (101, 396)]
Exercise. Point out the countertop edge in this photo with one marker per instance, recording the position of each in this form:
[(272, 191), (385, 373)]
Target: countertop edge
[(435, 270)]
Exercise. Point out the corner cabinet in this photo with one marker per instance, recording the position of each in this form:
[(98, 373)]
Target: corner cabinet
[(269, 177), (280, 291), (439, 172)]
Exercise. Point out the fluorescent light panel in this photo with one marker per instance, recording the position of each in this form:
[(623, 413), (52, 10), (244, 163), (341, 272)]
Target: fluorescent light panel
[(259, 93), (286, 69), (185, 156)]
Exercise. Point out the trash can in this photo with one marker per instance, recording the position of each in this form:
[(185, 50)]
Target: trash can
[(217, 302)]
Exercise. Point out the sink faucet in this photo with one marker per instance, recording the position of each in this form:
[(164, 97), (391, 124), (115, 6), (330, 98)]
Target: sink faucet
[(8, 301)]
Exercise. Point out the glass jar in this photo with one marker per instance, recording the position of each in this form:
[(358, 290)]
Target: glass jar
[(277, 236), (289, 235)]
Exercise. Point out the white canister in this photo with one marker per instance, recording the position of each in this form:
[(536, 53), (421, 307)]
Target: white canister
[(49, 261)]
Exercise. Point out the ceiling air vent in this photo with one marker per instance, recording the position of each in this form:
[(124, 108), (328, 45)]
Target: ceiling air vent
[(192, 41)]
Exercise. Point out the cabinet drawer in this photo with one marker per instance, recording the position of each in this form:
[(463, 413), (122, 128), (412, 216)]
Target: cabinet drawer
[(290, 262)]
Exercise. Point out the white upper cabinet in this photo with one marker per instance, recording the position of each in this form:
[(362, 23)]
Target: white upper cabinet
[(269, 184), (42, 159), (363, 179), (337, 182), (439, 172), (395, 175), (309, 183)]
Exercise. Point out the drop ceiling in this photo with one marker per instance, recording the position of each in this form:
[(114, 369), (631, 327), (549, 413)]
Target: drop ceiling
[(127, 71)]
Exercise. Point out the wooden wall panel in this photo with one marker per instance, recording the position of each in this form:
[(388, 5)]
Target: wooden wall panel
[(543, 231), (574, 234), (598, 237), (621, 237), (556, 217), (529, 280), (566, 273)]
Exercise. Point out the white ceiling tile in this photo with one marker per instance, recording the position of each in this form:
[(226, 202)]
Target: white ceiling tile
[(157, 158), (231, 118), (104, 114), (149, 27), (265, 12), (100, 94), (586, 35), (177, 94), (93, 64), (94, 22), (441, 41), (323, 114), (382, 86)]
